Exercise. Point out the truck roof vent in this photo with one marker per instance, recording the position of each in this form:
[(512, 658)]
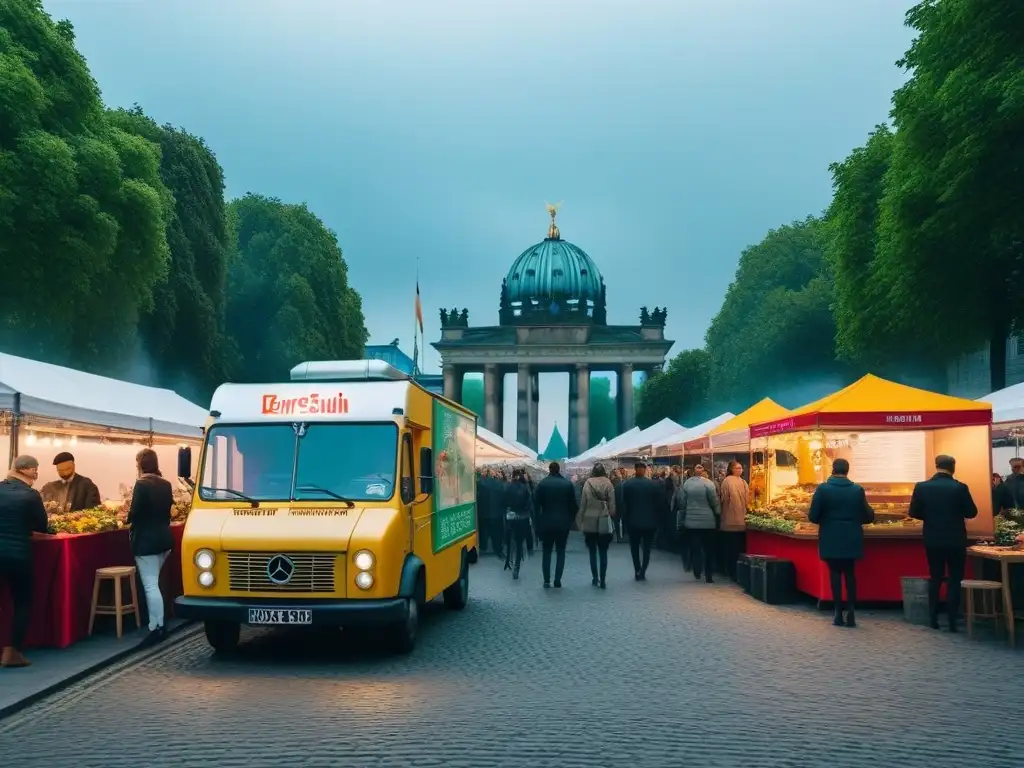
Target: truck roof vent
[(346, 370)]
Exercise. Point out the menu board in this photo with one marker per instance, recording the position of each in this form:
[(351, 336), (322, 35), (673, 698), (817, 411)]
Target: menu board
[(888, 457)]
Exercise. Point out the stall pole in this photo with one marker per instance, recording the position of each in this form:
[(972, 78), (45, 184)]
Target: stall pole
[(15, 422), (150, 444)]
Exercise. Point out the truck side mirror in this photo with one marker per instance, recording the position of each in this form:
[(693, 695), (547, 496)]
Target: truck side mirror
[(185, 462), (426, 470)]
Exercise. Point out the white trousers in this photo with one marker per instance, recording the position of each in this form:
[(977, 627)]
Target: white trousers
[(149, 571)]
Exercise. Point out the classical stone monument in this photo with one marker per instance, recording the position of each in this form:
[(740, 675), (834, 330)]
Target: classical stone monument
[(551, 317)]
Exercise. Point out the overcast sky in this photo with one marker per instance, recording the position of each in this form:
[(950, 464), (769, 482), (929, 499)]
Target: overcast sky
[(677, 132)]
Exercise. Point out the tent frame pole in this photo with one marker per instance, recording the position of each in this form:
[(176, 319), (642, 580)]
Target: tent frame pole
[(15, 429)]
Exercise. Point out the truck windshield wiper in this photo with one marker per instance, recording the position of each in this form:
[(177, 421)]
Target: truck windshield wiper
[(233, 492), (332, 494)]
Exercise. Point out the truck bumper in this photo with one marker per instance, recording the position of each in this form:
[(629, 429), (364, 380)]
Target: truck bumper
[(331, 613)]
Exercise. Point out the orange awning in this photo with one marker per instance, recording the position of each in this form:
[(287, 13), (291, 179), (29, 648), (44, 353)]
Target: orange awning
[(735, 431), (875, 403)]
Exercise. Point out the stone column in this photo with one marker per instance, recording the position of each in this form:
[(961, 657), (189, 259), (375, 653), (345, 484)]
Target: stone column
[(492, 403), (448, 370), (625, 396), (523, 403), (572, 436), (582, 406), (534, 410)]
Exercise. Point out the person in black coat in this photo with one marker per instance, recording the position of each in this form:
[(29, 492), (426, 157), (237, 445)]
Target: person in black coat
[(150, 536), (518, 515), (554, 503), (21, 514), (642, 501), (840, 509), (944, 504)]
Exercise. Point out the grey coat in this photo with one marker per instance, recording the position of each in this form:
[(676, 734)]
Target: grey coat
[(696, 504)]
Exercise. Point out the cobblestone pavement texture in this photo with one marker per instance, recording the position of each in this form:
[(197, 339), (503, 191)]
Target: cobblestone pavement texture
[(664, 673)]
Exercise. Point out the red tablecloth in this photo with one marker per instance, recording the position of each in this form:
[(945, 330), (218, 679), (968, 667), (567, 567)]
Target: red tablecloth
[(64, 567), (879, 573)]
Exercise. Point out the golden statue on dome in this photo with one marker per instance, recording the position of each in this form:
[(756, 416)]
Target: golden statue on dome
[(553, 233)]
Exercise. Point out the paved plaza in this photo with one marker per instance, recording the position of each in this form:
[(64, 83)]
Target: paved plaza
[(664, 673)]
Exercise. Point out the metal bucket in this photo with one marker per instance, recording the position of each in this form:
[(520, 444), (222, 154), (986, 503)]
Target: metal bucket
[(915, 600)]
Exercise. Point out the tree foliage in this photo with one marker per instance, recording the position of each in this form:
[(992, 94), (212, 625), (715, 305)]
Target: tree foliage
[(289, 299), (950, 236), (776, 323), (473, 395), (604, 419), (680, 392), (556, 449), (82, 205)]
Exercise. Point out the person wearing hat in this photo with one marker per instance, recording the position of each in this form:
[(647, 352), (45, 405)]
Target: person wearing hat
[(72, 492), (21, 514)]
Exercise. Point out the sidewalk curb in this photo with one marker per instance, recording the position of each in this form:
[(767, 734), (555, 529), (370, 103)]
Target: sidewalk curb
[(67, 682)]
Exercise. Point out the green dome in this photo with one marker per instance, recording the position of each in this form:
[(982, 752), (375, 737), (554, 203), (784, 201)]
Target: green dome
[(553, 277)]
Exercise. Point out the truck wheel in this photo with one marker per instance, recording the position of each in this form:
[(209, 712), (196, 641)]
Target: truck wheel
[(473, 556), (457, 595), (222, 635), (404, 634)]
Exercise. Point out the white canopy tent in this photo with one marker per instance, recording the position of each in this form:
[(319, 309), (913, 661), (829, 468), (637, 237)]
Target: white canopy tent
[(1007, 404), (491, 446), (673, 443), (604, 448), (642, 441), (45, 391)]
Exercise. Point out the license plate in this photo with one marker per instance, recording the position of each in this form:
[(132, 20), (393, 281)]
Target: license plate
[(280, 616)]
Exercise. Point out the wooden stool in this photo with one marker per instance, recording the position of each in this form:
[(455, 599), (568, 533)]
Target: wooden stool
[(993, 588), (118, 609)]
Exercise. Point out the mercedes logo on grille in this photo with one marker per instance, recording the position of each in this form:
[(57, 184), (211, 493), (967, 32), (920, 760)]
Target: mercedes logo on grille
[(280, 569)]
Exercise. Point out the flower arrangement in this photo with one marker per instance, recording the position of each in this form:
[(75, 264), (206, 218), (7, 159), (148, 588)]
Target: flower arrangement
[(110, 516), (1009, 528), (770, 523)]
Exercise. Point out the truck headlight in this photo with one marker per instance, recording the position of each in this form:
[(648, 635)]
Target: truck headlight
[(205, 579), (364, 579), (205, 559), (363, 560)]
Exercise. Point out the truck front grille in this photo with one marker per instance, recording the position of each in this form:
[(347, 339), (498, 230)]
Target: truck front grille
[(312, 572)]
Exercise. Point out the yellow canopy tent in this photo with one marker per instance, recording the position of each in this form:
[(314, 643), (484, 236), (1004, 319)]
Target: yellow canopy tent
[(734, 435)]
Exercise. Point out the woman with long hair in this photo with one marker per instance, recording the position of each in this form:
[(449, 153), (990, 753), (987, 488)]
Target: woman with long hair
[(596, 518), (149, 519)]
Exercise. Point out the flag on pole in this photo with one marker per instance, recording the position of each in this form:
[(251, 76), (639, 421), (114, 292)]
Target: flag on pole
[(419, 307)]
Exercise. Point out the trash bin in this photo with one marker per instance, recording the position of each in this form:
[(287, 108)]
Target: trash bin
[(915, 600)]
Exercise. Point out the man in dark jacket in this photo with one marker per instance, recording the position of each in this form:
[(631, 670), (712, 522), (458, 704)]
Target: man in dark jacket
[(944, 504), (72, 492), (21, 514), (642, 501), (1011, 491), (555, 508), (840, 509), (518, 502)]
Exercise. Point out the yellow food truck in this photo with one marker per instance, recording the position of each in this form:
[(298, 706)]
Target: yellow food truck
[(344, 497)]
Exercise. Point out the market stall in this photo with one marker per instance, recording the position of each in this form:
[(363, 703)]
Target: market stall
[(730, 440), (673, 445), (47, 410), (637, 444), (890, 434)]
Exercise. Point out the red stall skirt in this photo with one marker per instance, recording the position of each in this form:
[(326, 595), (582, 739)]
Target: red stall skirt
[(64, 567), (886, 561)]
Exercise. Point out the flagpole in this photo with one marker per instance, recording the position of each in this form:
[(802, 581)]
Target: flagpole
[(415, 323)]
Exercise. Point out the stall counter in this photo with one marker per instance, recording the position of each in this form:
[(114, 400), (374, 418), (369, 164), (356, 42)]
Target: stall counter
[(64, 567), (889, 555)]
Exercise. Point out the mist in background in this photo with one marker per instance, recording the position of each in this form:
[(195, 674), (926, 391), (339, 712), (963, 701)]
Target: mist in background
[(430, 135)]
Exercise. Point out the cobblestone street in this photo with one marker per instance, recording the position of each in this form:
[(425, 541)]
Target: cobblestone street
[(664, 673)]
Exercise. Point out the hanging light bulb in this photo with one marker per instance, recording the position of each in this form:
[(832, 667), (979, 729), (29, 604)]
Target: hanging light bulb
[(57, 442), (73, 440), (31, 439)]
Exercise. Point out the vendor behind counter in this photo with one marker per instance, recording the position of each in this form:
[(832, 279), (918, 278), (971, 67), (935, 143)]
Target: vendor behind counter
[(72, 492)]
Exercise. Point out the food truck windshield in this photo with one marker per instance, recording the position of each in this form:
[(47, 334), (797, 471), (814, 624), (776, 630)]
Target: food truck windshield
[(324, 462)]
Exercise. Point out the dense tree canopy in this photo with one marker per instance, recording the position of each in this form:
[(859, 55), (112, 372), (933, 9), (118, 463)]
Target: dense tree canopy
[(776, 323), (115, 240), (289, 299), (82, 205), (680, 392)]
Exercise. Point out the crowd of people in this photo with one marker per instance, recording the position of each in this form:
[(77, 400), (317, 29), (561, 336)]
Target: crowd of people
[(23, 513), (675, 508)]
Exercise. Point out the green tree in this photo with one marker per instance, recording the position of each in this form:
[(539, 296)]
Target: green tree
[(776, 323), (951, 235), (288, 294), (473, 395), (82, 205), (604, 421), (185, 333), (680, 392)]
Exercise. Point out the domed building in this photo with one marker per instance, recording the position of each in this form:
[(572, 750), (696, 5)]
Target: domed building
[(552, 316)]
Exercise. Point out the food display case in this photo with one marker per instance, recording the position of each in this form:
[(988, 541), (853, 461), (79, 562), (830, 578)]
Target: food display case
[(890, 434)]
